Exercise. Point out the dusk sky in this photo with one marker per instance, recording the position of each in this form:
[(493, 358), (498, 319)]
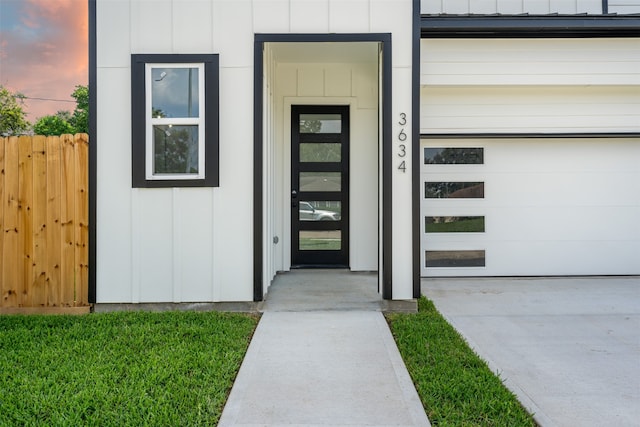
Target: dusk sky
[(43, 51)]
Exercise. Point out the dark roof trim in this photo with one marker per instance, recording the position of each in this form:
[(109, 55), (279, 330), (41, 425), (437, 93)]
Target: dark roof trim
[(581, 135), (321, 37), (529, 26)]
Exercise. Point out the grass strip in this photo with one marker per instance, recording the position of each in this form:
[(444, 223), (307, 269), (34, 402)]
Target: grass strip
[(456, 387), (171, 368)]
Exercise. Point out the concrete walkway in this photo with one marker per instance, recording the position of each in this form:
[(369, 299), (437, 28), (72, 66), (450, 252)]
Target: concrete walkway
[(322, 355), (569, 348)]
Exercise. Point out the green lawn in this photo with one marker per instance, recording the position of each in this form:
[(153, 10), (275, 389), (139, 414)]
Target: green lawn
[(177, 368), (160, 369), (456, 387)]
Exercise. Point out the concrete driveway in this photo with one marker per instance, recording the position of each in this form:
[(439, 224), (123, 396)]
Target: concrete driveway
[(569, 348)]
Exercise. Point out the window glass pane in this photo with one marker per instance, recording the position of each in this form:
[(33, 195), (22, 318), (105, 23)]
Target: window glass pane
[(453, 190), (454, 224), (320, 181), (174, 92), (175, 149), (320, 123), (455, 259), (329, 240), (453, 156), (320, 211), (320, 152)]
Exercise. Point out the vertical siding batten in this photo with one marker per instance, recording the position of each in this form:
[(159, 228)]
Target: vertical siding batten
[(136, 254), (176, 238)]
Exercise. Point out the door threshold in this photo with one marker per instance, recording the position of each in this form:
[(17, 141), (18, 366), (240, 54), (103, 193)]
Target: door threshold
[(319, 266)]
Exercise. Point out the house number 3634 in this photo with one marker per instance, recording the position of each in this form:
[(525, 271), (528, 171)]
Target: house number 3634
[(402, 147)]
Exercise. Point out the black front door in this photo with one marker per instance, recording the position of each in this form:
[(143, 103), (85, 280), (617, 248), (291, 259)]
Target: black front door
[(319, 186)]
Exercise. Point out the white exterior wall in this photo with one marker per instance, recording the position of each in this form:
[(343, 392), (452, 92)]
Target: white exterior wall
[(530, 85), (551, 206), (537, 109), (526, 62), (624, 6), (533, 7), (196, 244)]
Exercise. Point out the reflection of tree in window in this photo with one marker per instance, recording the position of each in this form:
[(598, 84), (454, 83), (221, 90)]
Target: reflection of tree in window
[(157, 113), (320, 152), (175, 149), (461, 190), (310, 126), (453, 156)]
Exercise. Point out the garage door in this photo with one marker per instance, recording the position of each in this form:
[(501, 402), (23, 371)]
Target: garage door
[(530, 206)]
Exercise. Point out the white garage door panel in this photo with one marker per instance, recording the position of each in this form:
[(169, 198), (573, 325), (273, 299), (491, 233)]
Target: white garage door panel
[(569, 223), (562, 258), (558, 189), (577, 223), (549, 258), (551, 207), (556, 155)]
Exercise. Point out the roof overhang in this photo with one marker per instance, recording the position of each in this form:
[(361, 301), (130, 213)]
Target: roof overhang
[(529, 26)]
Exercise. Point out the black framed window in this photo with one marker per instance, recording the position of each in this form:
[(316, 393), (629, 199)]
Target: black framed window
[(175, 120)]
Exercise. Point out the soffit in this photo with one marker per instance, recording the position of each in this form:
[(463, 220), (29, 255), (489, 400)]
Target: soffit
[(325, 52)]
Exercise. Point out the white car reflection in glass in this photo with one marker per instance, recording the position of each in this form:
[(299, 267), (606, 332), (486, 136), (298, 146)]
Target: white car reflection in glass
[(309, 213)]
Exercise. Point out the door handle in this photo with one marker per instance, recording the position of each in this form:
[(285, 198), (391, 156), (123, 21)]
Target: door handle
[(294, 194)]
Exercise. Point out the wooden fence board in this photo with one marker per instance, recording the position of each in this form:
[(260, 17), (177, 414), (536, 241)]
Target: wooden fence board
[(39, 289), (54, 231), (10, 205), (44, 224), (82, 218), (67, 210), (25, 219)]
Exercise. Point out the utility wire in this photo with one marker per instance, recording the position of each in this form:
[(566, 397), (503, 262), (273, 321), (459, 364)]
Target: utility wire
[(42, 99)]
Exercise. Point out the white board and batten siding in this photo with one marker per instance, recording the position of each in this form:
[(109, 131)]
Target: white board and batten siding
[(624, 6), (551, 206), (196, 244), (532, 7)]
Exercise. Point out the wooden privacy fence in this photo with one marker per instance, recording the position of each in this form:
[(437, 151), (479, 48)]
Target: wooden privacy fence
[(44, 219)]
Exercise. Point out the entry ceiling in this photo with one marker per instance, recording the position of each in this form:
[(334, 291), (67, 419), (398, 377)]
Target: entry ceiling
[(325, 52)]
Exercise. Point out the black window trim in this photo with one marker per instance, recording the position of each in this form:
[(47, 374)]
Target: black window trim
[(528, 26), (211, 120)]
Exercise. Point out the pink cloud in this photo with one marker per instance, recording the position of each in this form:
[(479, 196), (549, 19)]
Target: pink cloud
[(45, 54)]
